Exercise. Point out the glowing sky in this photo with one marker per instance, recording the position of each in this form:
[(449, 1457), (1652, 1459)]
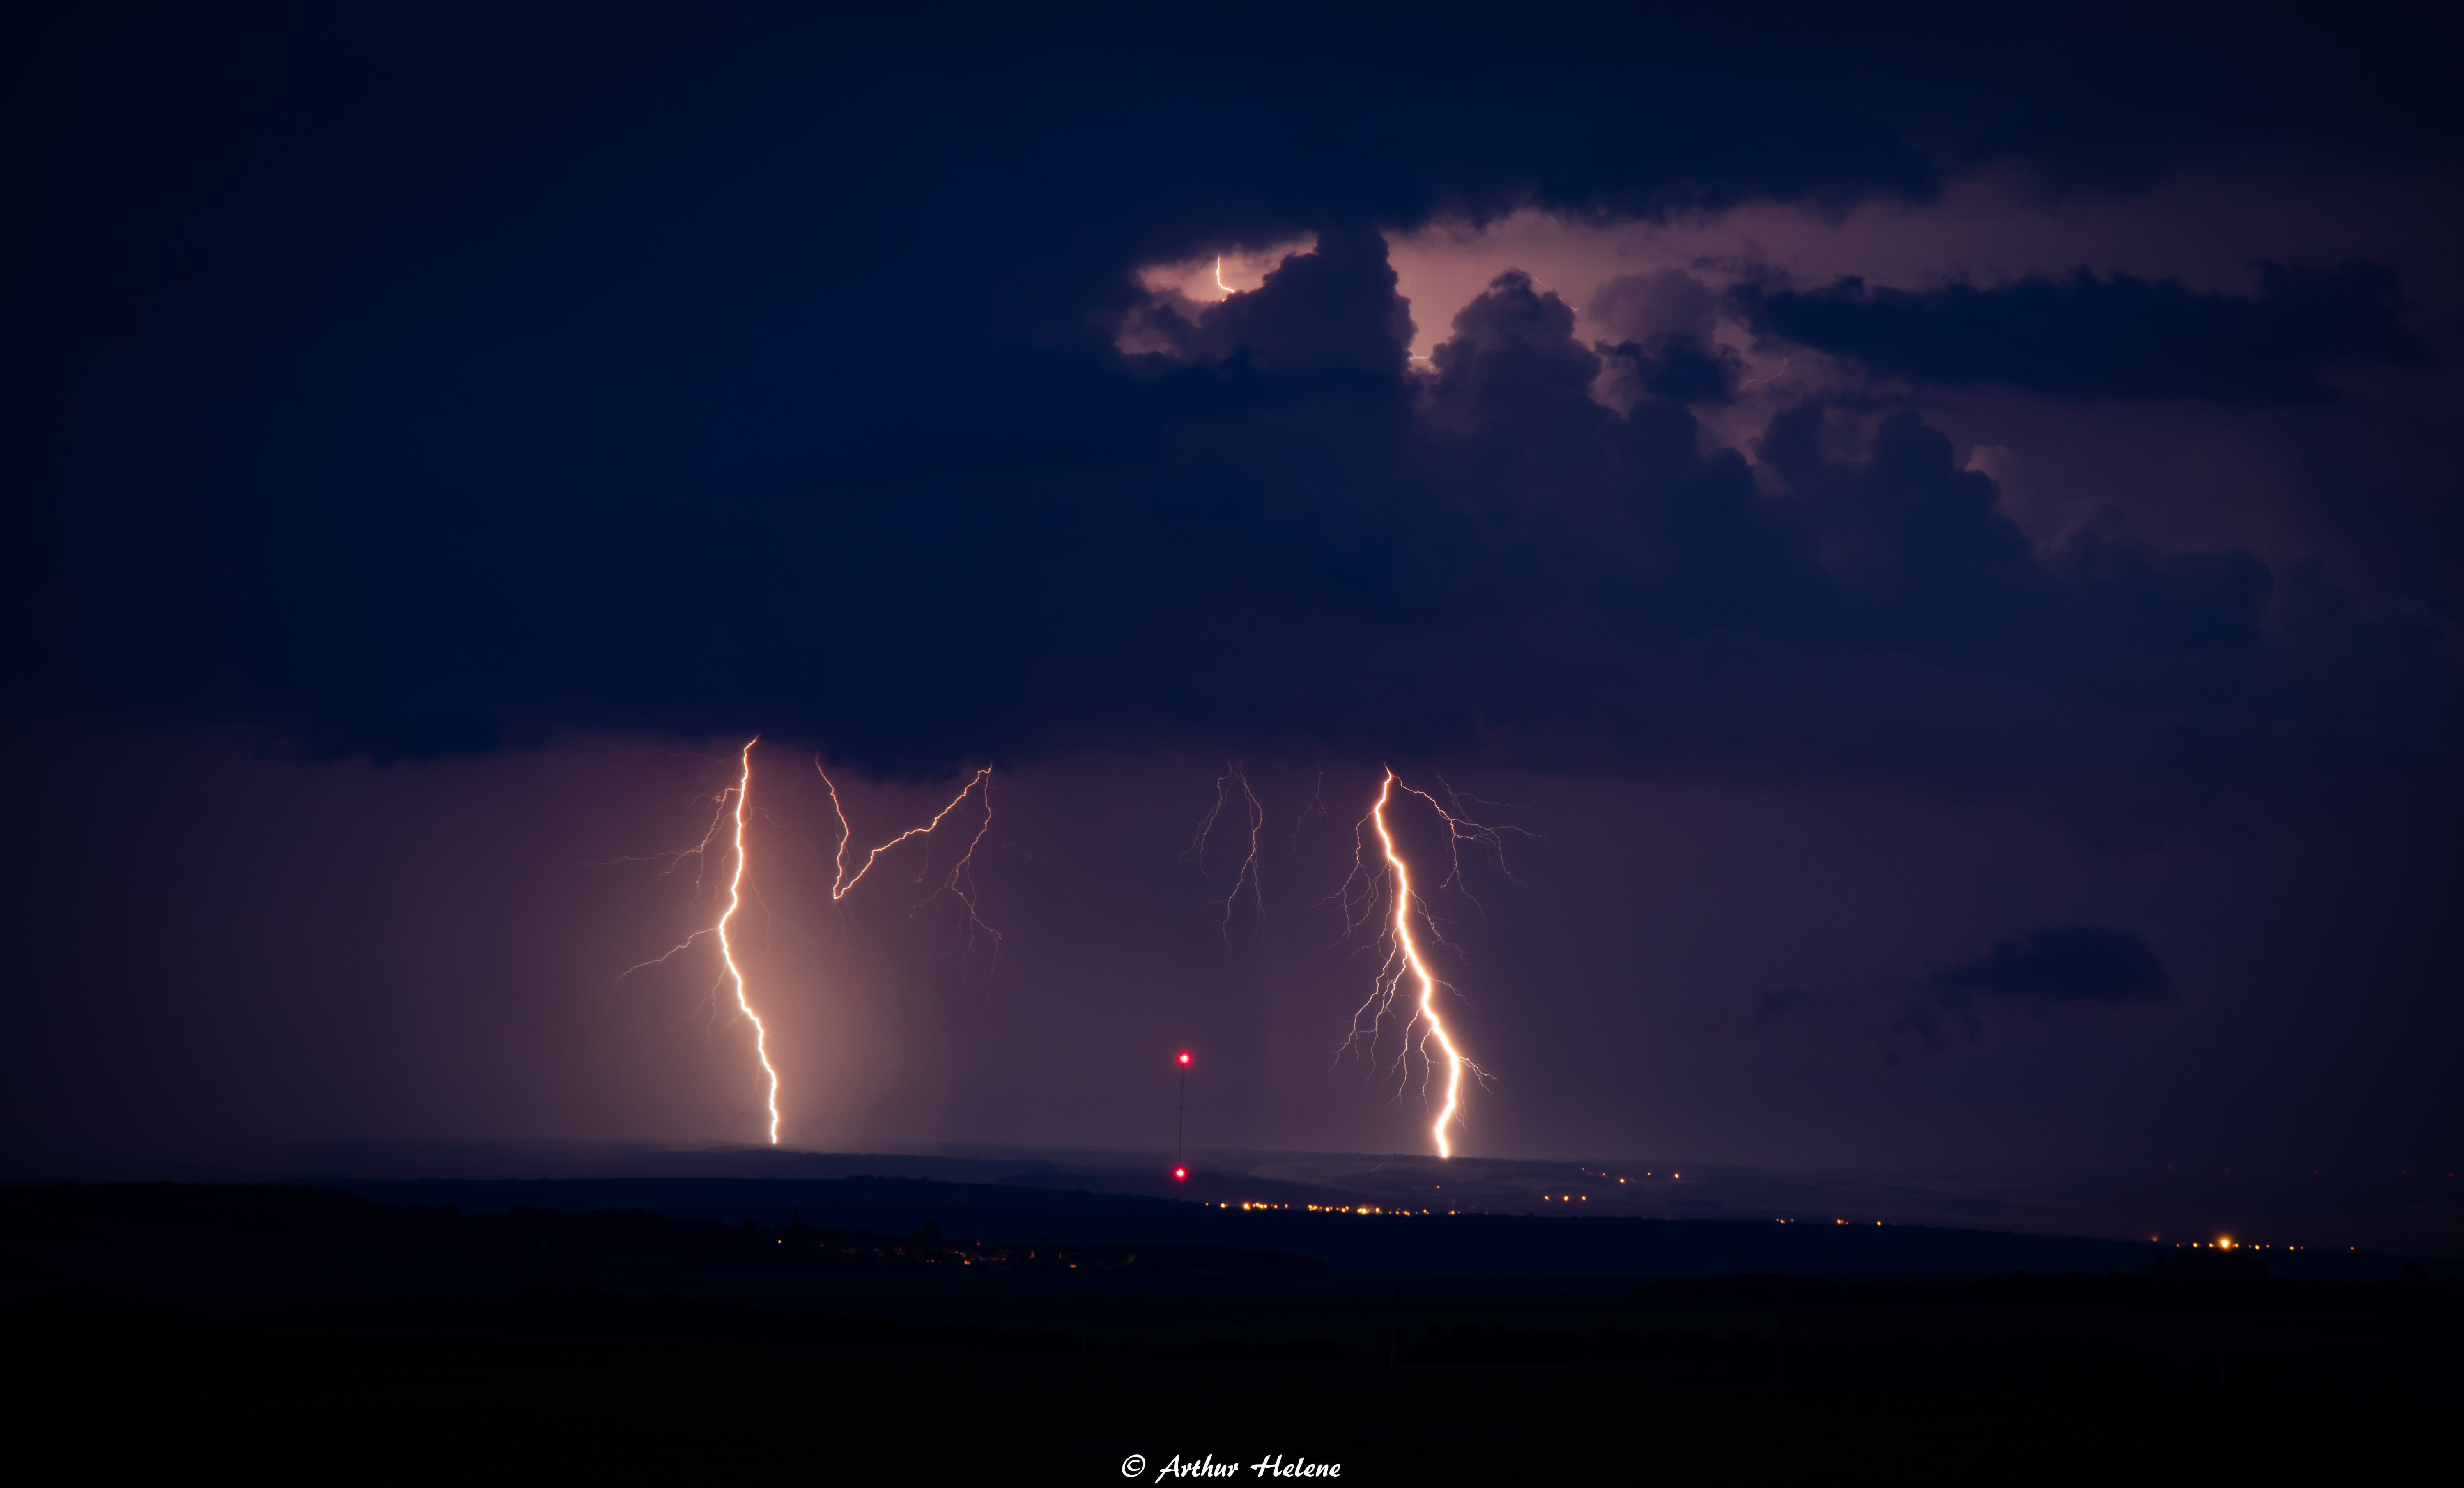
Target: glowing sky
[(1962, 585)]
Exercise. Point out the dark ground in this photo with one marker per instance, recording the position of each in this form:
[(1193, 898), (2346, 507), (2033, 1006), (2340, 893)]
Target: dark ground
[(1046, 1338)]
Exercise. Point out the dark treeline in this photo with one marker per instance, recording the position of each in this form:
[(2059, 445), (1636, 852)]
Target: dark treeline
[(135, 1212), (543, 1312), (2172, 1289), (629, 1337), (2037, 1362)]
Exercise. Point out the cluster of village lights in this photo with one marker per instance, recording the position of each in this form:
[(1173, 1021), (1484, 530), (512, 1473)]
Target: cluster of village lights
[(1263, 1206), (1321, 1209), (1181, 1174), (2226, 1242)]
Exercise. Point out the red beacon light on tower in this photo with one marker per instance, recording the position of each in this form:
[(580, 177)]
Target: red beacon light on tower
[(1180, 1119)]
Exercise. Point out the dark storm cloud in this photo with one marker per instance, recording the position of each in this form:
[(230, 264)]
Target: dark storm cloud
[(1668, 302), (2116, 337), (1663, 320), (1332, 309), (1678, 367), (2057, 967), (2061, 964), (1775, 1005), (416, 395)]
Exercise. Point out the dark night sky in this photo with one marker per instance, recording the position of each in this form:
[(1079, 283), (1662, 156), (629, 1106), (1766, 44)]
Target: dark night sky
[(1945, 530)]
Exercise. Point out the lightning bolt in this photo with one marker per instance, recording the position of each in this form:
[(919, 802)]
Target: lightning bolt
[(1256, 814), (1756, 381), (1404, 960), (960, 884), (1219, 276), (736, 794), (727, 952), (1316, 807)]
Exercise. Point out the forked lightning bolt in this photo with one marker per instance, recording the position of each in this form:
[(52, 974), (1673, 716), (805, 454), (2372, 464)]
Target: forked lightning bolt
[(733, 796), (960, 884), (1404, 960)]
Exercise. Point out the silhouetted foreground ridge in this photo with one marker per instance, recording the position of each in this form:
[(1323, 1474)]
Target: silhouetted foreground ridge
[(634, 1331)]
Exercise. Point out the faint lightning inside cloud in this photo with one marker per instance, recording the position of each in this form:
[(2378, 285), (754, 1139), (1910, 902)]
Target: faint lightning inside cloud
[(1757, 382), (1255, 815)]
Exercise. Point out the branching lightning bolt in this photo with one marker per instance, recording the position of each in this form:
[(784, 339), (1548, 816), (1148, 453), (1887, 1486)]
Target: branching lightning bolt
[(1404, 959), (1256, 814), (960, 884), (736, 794), (727, 952)]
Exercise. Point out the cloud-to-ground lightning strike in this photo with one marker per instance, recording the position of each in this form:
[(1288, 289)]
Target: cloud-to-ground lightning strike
[(735, 797), (727, 952), (1255, 812), (1404, 960), (960, 884)]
